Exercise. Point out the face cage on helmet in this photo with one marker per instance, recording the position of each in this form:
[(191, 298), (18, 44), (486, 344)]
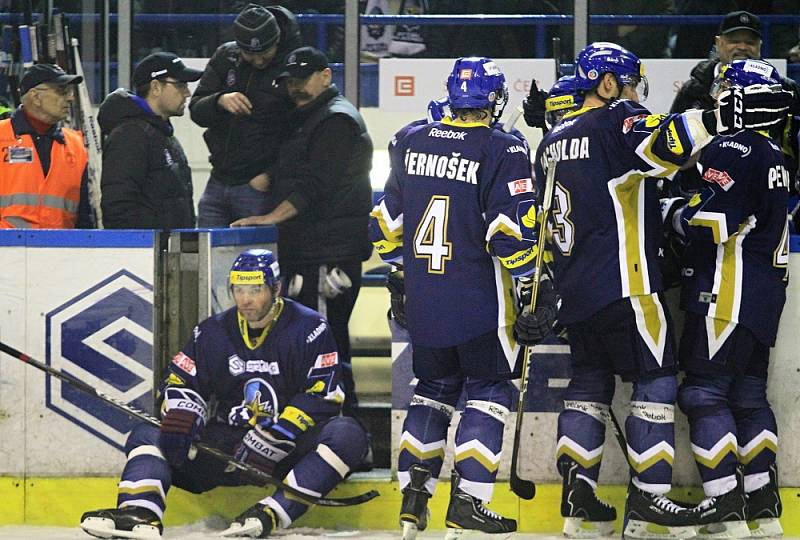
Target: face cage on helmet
[(500, 104), (638, 83)]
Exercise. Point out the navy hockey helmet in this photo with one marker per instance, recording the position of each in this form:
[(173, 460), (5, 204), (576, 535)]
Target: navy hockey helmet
[(744, 73), (477, 83), (562, 98), (602, 57), (255, 267)]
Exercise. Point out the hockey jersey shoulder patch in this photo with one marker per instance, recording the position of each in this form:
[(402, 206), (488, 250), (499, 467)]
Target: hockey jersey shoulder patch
[(185, 363)]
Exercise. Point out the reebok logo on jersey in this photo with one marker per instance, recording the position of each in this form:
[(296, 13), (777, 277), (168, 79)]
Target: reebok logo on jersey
[(523, 185), (720, 178), (185, 363), (446, 134), (452, 168), (326, 360)]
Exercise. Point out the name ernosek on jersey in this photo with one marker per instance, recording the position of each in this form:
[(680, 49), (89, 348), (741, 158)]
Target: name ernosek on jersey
[(452, 167)]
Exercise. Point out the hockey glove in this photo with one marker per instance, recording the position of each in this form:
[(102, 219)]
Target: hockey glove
[(397, 295), (185, 416), (264, 448), (532, 328), (755, 107), (533, 107)]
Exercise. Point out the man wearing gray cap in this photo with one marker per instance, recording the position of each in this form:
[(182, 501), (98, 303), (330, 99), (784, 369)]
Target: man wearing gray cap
[(43, 179), (245, 114)]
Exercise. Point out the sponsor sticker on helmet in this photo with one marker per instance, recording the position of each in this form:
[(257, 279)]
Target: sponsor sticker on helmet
[(465, 74), (592, 75), (491, 68), (247, 277)]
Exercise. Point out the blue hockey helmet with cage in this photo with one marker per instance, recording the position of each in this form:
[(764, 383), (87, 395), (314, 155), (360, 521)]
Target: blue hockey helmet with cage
[(602, 57), (562, 98), (744, 73), (255, 267), (477, 83)]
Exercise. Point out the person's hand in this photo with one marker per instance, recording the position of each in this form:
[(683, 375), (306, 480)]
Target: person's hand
[(260, 182), (181, 423), (235, 103), (755, 107), (395, 282), (263, 448), (253, 221), (534, 108), (531, 328)]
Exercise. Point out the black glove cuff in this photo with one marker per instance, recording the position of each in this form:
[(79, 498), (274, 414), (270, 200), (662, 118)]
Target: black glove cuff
[(710, 121)]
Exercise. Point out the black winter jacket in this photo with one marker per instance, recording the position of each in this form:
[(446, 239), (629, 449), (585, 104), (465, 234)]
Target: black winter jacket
[(242, 147), (146, 182)]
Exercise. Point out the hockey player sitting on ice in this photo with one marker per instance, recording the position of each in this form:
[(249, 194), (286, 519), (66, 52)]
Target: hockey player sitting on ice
[(733, 291), (606, 223), (458, 215), (272, 369)]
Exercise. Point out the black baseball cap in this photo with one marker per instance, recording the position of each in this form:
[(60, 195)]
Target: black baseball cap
[(256, 29), (163, 64), (303, 62), (45, 73), (740, 20)]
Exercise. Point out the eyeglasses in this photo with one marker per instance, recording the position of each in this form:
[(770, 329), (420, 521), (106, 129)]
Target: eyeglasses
[(177, 84)]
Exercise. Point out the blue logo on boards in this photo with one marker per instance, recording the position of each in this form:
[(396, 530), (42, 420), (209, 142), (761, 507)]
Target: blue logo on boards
[(103, 336)]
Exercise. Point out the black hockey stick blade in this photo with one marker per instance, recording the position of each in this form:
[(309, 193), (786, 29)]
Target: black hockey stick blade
[(255, 473), (524, 489)]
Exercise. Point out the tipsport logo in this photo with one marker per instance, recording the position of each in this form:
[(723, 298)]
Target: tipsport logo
[(103, 336)]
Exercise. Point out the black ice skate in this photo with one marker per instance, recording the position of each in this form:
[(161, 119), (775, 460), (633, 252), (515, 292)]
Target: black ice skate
[(256, 522), (414, 508), (126, 522), (648, 515), (585, 516), (764, 508), (723, 516), (466, 514)]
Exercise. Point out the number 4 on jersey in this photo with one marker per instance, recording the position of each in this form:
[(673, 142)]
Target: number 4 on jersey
[(430, 238)]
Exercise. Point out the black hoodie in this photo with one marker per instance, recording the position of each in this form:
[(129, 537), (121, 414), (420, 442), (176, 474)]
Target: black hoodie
[(242, 147), (146, 182)]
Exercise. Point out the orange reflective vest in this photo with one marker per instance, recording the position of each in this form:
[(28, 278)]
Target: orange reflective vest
[(28, 199)]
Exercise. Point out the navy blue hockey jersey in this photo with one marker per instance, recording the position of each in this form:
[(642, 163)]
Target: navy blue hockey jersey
[(458, 212), (605, 218), (293, 378), (736, 267)]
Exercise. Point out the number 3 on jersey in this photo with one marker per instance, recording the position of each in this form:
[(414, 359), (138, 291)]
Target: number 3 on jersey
[(430, 238)]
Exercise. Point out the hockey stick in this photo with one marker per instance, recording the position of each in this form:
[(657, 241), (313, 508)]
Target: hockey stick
[(91, 138), (253, 472), (526, 489)]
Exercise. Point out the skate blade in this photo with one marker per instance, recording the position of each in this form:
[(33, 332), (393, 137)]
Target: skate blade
[(464, 534), (644, 530), (765, 528), (726, 529), (576, 527), (251, 528), (409, 530), (105, 528)]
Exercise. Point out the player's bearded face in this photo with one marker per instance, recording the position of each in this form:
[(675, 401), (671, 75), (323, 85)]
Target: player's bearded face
[(253, 301)]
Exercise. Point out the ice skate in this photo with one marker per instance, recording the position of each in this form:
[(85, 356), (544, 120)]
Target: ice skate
[(466, 514), (126, 522), (723, 516), (585, 516), (414, 511), (255, 522), (648, 515), (763, 508)]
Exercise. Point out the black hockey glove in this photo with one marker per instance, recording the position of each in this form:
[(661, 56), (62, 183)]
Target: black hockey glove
[(397, 295), (263, 448), (532, 328), (755, 107), (181, 424), (533, 107)]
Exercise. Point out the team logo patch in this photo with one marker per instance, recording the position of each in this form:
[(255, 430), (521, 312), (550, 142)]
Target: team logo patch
[(492, 96), (259, 407), (526, 219), (721, 178), (185, 363), (592, 75), (465, 74), (627, 124), (326, 360), (521, 185)]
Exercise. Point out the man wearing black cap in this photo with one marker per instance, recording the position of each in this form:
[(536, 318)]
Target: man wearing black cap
[(324, 196), (147, 182), (245, 113), (43, 178)]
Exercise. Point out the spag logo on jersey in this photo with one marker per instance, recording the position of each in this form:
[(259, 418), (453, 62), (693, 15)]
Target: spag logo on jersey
[(526, 219), (721, 178), (259, 407), (521, 185), (104, 336)]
